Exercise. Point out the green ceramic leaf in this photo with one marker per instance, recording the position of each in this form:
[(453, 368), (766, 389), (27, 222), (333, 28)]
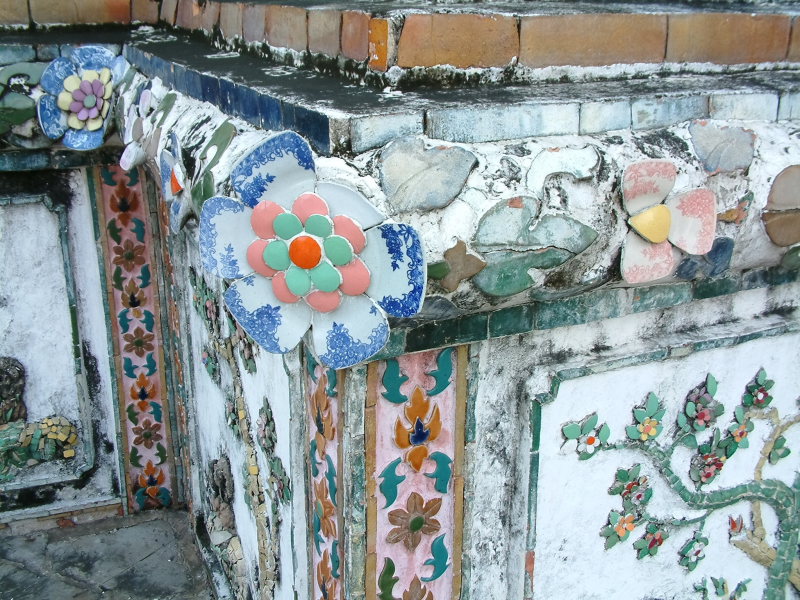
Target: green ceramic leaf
[(604, 433), (219, 142), (633, 433), (32, 70), (506, 272), (690, 442), (711, 384), (442, 473), (150, 365), (330, 475), (640, 414), (138, 229), (387, 580), (148, 320), (589, 424), (761, 376), (652, 404), (161, 452), (390, 482), (144, 277), (311, 365), (335, 559), (392, 380), (124, 321), (135, 457), (129, 368), (738, 413), (133, 416), (314, 463), (571, 431), (634, 471), (611, 541), (439, 560), (444, 369)]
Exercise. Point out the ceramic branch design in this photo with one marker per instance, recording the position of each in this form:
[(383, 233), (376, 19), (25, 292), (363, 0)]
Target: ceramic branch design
[(696, 427)]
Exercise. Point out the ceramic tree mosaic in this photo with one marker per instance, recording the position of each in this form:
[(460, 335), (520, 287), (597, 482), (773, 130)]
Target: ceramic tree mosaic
[(130, 273), (415, 415), (303, 253), (79, 94), (325, 481), (682, 450)]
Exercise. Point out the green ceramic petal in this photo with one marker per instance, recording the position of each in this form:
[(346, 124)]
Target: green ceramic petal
[(325, 277), (338, 250), (298, 281), (276, 255), (319, 225), (287, 225)]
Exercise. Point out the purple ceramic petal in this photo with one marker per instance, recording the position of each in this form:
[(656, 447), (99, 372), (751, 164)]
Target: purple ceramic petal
[(86, 87), (76, 107), (78, 94), (83, 114), (100, 102), (93, 112), (97, 87)]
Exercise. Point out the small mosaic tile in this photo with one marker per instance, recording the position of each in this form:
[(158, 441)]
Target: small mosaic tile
[(722, 149), (781, 216), (461, 266)]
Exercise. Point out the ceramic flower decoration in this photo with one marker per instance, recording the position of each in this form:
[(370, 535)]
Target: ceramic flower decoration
[(174, 183), (307, 253), (140, 134), (686, 221), (76, 107)]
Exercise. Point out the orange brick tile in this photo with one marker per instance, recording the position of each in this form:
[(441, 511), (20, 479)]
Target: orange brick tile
[(355, 34), (14, 12), (592, 39), (169, 9), (144, 11), (381, 44), (188, 14), (210, 16), (794, 43), (324, 31), (81, 11), (230, 20), (461, 40), (286, 27), (727, 38), (254, 22)]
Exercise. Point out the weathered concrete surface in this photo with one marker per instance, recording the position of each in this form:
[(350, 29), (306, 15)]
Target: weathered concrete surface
[(139, 557)]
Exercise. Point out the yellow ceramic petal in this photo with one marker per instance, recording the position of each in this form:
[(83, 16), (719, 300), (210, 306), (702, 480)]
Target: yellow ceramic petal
[(652, 224), (104, 110), (74, 122), (94, 124), (64, 100), (107, 90), (105, 75), (71, 83), (90, 75)]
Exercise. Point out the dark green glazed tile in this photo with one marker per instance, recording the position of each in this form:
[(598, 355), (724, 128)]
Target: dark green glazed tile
[(536, 426), (438, 270), (559, 313), (508, 321), (435, 334), (660, 296), (711, 288)]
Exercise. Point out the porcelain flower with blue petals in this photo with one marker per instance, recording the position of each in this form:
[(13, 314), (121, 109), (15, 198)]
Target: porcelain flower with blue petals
[(79, 92), (305, 253)]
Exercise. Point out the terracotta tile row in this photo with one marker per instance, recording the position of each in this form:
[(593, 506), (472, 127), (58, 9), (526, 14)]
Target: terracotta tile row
[(462, 40)]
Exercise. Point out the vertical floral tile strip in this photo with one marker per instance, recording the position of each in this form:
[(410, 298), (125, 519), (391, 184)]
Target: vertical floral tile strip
[(138, 346), (79, 94), (416, 476), (325, 481), (304, 253)]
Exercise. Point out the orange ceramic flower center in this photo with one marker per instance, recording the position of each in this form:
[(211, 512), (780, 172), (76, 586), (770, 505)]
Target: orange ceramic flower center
[(305, 252)]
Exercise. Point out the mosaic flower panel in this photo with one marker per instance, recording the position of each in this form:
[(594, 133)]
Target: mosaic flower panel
[(134, 310), (415, 433), (325, 481)]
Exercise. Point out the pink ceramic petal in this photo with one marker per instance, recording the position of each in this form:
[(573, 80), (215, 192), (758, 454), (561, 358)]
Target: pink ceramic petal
[(263, 217), (646, 184), (307, 205), (351, 231), (255, 258), (355, 277), (324, 301), (76, 106), (694, 221), (83, 114), (86, 87), (78, 95), (281, 290), (643, 262)]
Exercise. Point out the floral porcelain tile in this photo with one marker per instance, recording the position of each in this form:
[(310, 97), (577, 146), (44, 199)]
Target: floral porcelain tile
[(414, 461), (76, 107), (686, 221), (300, 261)]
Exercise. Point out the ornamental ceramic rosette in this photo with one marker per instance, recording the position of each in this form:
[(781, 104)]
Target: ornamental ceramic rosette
[(686, 221), (76, 107), (307, 253)]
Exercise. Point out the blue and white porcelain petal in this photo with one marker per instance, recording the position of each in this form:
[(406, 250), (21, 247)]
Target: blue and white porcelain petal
[(344, 201), (225, 234), (351, 334), (54, 75), (179, 212), (82, 139), (93, 57), (280, 169), (119, 67), (51, 118), (165, 164), (397, 268), (274, 325)]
